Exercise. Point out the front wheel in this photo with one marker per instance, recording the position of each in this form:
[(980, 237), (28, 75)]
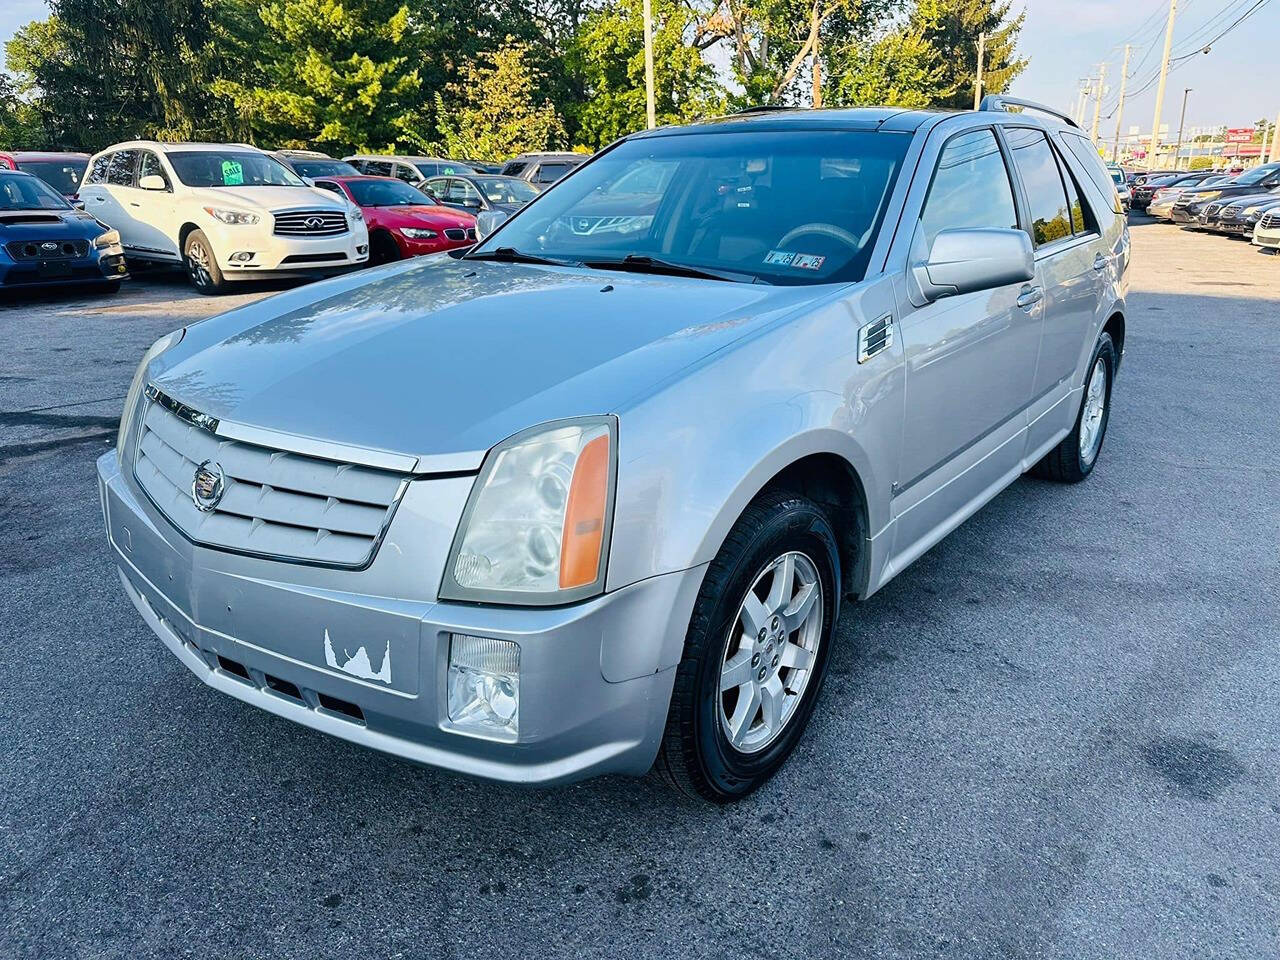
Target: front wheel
[(1074, 458), (756, 651), (202, 265)]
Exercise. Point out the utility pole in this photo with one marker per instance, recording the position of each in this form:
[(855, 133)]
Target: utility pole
[(1266, 138), (1164, 75), (1097, 103), (977, 84), (1082, 97), (1124, 79), (817, 62), (1177, 153), (651, 113), (1275, 142)]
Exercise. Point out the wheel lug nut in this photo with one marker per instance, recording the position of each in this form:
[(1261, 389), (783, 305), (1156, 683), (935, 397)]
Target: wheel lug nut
[(775, 659), (775, 623), (755, 660), (761, 675), (761, 635)]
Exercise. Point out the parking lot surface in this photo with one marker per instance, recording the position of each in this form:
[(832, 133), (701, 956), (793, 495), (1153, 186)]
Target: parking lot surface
[(1054, 736)]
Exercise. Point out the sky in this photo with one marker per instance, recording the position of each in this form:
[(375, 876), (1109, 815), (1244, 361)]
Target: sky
[(1066, 39)]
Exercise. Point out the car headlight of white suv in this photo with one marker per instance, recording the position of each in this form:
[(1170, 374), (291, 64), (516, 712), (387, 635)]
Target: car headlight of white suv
[(536, 527), (231, 216)]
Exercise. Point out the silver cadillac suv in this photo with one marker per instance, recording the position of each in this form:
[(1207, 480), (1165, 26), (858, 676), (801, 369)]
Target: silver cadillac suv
[(589, 497)]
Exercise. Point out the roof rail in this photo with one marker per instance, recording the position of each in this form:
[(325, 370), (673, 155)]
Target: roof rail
[(998, 101), (764, 108)]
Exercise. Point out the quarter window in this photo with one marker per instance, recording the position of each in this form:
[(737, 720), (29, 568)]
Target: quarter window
[(98, 169), (1050, 210), (120, 173), (407, 173), (970, 188), (377, 168)]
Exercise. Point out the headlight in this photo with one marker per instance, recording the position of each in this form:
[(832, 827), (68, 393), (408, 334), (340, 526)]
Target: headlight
[(109, 239), (357, 213), (1211, 195), (536, 527), (417, 233), (128, 415), (233, 217)]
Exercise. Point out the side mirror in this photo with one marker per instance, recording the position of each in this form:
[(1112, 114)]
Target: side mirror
[(965, 261), (153, 181), (77, 203), (489, 221)]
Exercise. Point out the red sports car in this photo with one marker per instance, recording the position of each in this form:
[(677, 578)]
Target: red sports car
[(402, 221)]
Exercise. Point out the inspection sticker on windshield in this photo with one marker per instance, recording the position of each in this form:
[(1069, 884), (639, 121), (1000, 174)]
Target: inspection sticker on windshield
[(801, 261), (232, 174)]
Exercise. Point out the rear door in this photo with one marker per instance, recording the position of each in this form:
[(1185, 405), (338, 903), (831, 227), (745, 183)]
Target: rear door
[(1071, 266)]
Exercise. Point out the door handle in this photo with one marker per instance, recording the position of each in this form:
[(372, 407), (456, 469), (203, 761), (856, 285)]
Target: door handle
[(1029, 297), (1101, 263), (98, 199), (132, 204)]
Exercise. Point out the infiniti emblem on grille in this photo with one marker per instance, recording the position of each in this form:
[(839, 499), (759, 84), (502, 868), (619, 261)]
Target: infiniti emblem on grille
[(314, 223), (207, 486), (48, 245)]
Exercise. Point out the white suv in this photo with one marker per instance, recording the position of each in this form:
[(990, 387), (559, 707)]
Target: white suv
[(224, 211)]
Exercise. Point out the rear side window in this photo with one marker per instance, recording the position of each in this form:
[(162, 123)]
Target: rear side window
[(120, 173), (409, 175), (1084, 151), (1046, 196), (1081, 216), (970, 188), (513, 168), (551, 172), (98, 169), (377, 168)]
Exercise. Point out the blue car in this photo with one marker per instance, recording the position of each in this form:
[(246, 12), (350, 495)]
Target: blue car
[(45, 241)]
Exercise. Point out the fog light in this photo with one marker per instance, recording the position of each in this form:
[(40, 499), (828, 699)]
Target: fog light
[(484, 684), (242, 256), (362, 249)]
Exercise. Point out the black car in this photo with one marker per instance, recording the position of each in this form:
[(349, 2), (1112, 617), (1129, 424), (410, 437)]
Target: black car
[(310, 164), (1237, 216), (479, 192), (1192, 202), (542, 169), (45, 241), (1144, 191)]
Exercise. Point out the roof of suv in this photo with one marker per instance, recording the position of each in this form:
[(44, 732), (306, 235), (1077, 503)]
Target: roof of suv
[(34, 156), (178, 147), (403, 158)]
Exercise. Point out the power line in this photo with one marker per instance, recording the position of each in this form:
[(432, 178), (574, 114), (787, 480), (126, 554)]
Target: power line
[(1205, 46)]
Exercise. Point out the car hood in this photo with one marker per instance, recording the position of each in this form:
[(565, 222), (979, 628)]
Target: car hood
[(443, 358), (269, 198), (425, 215), (47, 225)]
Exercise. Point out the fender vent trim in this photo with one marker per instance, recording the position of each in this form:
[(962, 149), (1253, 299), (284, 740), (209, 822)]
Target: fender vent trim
[(875, 337)]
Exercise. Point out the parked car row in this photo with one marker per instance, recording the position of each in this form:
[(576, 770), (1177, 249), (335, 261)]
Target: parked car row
[(231, 212), (1238, 206)]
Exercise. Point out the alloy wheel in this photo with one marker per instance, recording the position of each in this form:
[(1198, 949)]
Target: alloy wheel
[(198, 264), (1095, 408), (770, 652)]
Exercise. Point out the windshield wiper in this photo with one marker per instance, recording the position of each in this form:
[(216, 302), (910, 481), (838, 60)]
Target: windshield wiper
[(642, 263), (512, 255)]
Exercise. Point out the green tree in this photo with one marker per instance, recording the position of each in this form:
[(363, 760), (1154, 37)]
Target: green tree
[(334, 74), (494, 113), (952, 27), (608, 56), (900, 69)]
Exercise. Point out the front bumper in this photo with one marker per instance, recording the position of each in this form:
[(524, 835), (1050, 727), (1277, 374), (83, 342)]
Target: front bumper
[(285, 256), (95, 268), (1268, 239), (258, 630)]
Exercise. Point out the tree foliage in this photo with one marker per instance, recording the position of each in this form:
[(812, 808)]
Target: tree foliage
[(471, 77), (494, 113)]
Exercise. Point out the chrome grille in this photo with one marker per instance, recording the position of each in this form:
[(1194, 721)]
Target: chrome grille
[(309, 223), (1269, 220), (274, 503), (1230, 213), (1213, 208), (460, 233)]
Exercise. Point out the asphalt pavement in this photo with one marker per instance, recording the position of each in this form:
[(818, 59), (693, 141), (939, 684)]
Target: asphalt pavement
[(1056, 735)]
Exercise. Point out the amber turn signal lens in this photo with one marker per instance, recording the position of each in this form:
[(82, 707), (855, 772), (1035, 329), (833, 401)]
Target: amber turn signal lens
[(583, 535)]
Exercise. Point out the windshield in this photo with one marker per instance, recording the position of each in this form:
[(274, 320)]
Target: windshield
[(231, 168), (63, 175), (505, 189), (385, 193), (1258, 173), (324, 168), (789, 208), (27, 193)]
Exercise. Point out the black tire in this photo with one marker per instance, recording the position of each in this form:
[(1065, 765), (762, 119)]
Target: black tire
[(383, 249), (1065, 462), (202, 265), (109, 287), (696, 756)]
